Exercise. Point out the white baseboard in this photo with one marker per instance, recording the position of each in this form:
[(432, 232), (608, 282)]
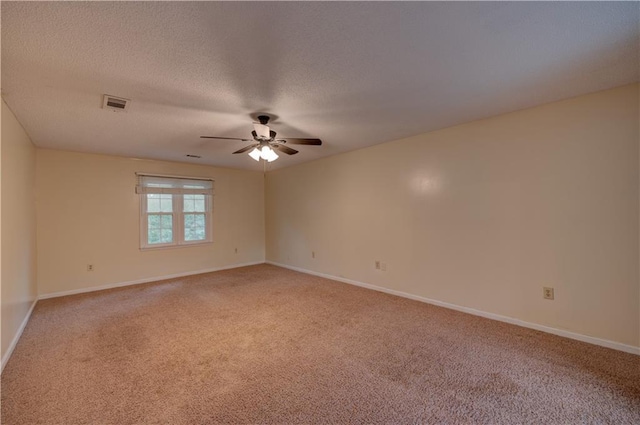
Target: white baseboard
[(17, 336), (567, 334), (139, 281)]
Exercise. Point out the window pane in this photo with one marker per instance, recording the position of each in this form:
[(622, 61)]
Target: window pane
[(194, 234), (166, 203), (154, 221), (160, 217), (159, 203), (167, 221), (154, 236), (194, 203), (159, 228), (194, 227), (166, 235), (153, 203)]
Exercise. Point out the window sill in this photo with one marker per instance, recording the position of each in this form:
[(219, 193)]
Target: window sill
[(183, 245)]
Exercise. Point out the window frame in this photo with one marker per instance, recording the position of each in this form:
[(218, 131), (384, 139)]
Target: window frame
[(178, 228)]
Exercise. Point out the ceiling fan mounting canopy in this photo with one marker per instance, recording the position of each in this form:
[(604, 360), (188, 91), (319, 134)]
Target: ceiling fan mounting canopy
[(267, 143)]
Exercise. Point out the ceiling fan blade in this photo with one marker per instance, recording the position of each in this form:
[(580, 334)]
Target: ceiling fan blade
[(285, 149), (294, 141), (246, 148), (225, 138)]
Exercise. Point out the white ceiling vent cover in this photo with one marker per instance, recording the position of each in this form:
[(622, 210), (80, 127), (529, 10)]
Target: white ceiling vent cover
[(118, 104)]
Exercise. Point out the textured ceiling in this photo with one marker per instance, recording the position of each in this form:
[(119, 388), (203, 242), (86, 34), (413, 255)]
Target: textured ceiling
[(352, 74)]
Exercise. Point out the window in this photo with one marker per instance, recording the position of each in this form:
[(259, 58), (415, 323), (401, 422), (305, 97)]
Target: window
[(174, 211)]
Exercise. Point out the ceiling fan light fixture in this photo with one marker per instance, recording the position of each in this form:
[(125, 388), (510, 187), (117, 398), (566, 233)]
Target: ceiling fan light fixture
[(255, 154), (265, 152)]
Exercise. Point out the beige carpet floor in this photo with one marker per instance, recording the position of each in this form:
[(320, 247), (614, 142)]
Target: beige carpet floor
[(263, 344)]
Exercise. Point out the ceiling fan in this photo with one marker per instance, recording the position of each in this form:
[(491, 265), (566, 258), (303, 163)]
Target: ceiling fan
[(265, 142)]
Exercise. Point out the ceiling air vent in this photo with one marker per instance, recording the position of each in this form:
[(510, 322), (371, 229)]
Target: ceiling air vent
[(118, 104)]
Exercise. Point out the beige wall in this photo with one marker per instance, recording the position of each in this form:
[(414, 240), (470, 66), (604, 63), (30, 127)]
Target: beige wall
[(483, 215), (18, 249), (88, 213)]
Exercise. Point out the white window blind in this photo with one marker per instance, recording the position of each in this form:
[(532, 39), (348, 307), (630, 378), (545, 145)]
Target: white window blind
[(173, 186)]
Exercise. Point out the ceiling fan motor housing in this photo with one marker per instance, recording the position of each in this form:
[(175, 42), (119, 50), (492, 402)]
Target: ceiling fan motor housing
[(262, 130)]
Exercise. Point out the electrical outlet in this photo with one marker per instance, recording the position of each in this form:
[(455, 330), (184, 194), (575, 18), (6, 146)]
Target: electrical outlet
[(383, 267), (89, 267), (377, 264), (313, 254), (547, 293)]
